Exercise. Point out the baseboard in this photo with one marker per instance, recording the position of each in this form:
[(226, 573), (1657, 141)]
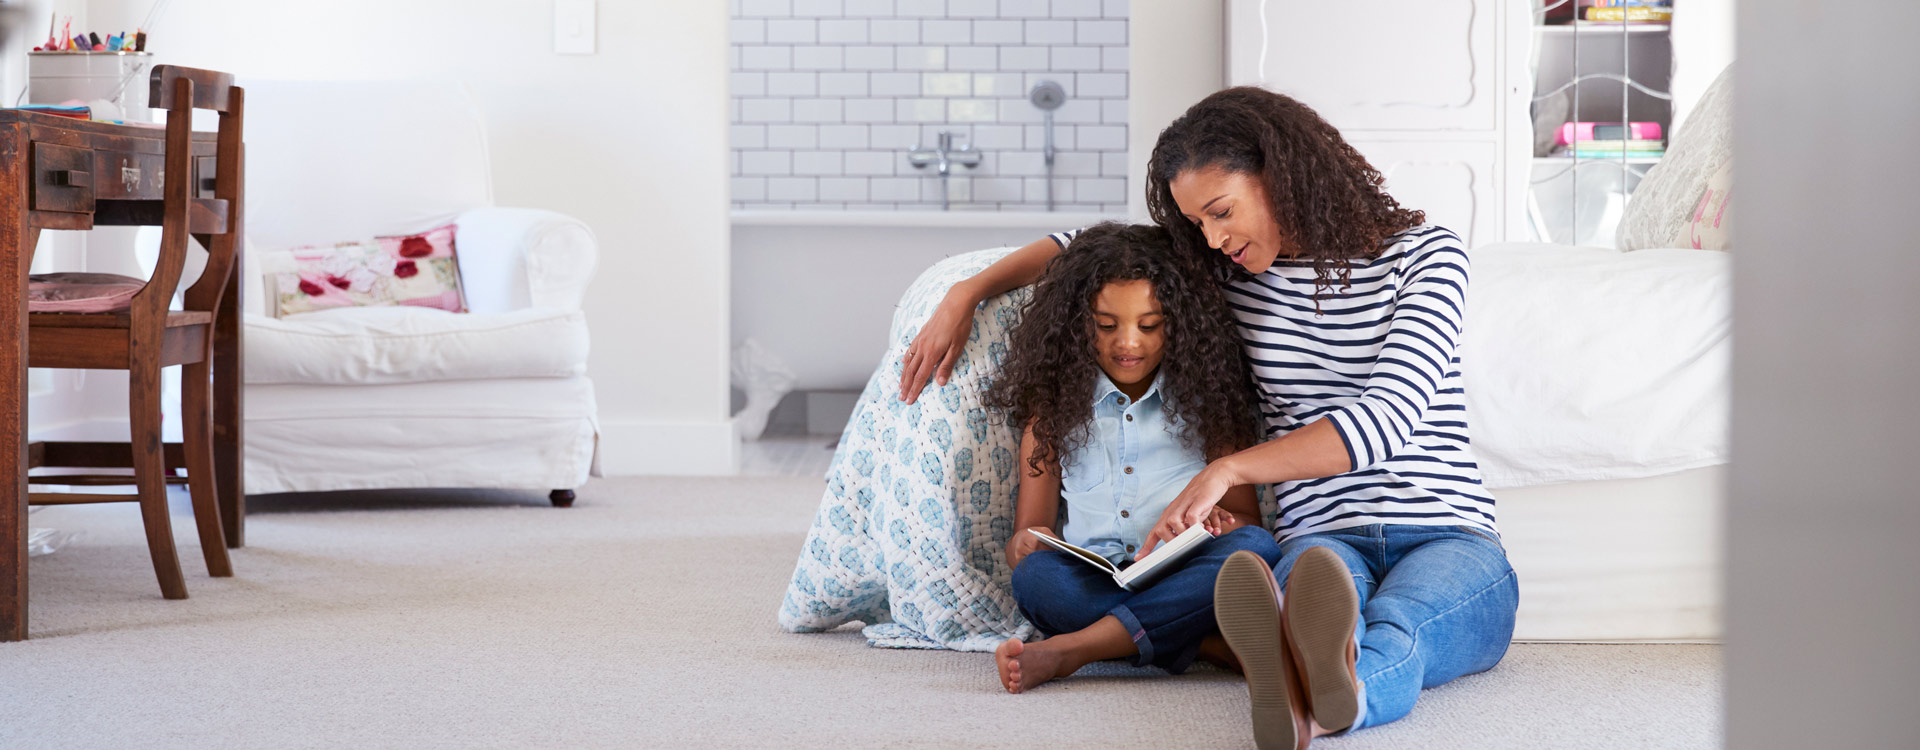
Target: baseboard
[(642, 447), (828, 411)]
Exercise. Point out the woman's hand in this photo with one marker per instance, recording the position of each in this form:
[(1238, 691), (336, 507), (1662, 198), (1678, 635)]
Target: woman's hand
[(1023, 544), (938, 345), (1192, 506)]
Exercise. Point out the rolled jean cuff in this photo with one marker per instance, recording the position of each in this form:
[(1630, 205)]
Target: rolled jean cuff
[(1183, 660), (1142, 644)]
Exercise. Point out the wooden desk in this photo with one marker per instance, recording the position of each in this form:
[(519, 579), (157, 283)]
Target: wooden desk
[(61, 173)]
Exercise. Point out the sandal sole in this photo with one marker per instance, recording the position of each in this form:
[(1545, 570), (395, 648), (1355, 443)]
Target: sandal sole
[(1245, 605), (1322, 611)]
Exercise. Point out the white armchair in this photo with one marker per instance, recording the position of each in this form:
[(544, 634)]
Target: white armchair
[(370, 398)]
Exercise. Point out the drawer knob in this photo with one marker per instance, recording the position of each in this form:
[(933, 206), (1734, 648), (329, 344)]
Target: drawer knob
[(69, 178)]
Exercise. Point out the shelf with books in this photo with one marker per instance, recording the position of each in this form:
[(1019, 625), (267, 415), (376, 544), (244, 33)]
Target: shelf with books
[(1568, 12), (1603, 27), (1594, 77), (1569, 158), (1628, 11)]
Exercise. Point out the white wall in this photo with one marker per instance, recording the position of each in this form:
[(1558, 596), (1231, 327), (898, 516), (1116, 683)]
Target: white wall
[(831, 331), (1177, 61), (1702, 47), (829, 97), (1822, 599), (631, 140)]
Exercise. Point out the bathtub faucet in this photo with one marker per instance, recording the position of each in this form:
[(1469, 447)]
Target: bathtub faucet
[(942, 159)]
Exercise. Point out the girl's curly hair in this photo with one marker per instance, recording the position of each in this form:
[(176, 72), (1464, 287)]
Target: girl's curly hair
[(1326, 198), (1047, 382)]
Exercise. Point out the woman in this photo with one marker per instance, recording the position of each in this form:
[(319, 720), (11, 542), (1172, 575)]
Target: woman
[(1350, 310)]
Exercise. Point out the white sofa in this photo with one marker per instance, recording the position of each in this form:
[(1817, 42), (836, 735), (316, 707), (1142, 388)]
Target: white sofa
[(374, 398)]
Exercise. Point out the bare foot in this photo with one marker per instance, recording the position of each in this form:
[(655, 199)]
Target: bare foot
[(1022, 666), (1007, 659)]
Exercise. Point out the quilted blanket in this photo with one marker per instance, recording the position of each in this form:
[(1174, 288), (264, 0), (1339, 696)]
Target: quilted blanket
[(911, 532)]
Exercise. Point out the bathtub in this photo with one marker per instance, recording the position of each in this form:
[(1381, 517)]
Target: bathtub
[(817, 289)]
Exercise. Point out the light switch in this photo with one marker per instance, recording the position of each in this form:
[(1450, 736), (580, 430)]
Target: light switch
[(573, 27)]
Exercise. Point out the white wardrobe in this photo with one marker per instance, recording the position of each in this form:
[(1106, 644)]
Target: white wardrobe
[(1434, 93)]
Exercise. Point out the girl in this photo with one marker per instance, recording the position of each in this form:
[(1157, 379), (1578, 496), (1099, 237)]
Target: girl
[(1127, 379), (1351, 311)]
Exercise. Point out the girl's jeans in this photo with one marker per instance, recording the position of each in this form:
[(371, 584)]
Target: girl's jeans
[(1060, 593), (1436, 603)]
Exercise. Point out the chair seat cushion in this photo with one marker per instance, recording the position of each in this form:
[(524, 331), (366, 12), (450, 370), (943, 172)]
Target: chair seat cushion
[(384, 345), (81, 292)]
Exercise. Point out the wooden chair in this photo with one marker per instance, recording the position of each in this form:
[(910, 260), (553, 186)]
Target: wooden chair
[(147, 336)]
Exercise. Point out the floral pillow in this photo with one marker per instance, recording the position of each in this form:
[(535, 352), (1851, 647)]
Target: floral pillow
[(419, 270)]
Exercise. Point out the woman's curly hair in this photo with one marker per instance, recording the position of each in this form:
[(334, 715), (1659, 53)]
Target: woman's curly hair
[(1326, 198), (1047, 382)]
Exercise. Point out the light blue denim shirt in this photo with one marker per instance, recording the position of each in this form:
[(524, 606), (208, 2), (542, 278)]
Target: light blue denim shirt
[(1130, 469)]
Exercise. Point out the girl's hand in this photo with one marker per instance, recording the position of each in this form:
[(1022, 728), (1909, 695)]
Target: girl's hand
[(1023, 544), (939, 342), (1191, 507), (1220, 521)]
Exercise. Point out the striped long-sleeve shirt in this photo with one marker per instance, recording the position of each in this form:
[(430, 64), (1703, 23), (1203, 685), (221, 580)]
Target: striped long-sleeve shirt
[(1380, 359)]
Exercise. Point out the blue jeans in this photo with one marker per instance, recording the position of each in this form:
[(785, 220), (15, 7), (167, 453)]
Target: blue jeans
[(1060, 593), (1436, 603)]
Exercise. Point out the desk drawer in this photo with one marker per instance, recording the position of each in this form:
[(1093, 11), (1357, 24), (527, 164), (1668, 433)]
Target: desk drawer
[(205, 169), (122, 175), (63, 178)]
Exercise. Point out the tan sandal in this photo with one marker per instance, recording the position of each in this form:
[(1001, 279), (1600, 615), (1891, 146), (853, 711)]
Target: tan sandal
[(1322, 612), (1246, 603)]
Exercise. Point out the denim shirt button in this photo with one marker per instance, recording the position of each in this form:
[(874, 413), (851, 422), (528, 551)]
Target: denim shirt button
[(1123, 514), (1129, 470), (1129, 417)]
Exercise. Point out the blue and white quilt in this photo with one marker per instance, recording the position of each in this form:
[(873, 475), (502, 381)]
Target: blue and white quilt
[(911, 534)]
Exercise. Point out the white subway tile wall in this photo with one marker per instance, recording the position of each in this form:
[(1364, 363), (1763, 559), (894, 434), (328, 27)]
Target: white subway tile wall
[(830, 94)]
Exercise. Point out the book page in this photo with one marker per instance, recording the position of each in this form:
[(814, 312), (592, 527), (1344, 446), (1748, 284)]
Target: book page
[(1083, 554), (1164, 557)]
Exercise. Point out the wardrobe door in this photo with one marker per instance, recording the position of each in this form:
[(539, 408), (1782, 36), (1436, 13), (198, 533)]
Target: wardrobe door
[(1455, 182), (1419, 65)]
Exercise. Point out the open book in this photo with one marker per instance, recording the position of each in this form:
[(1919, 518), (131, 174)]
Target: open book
[(1165, 558)]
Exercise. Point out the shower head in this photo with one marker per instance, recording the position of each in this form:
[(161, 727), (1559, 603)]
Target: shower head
[(1047, 95)]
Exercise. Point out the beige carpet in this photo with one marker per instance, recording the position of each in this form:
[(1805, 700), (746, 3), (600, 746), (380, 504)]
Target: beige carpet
[(643, 617)]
